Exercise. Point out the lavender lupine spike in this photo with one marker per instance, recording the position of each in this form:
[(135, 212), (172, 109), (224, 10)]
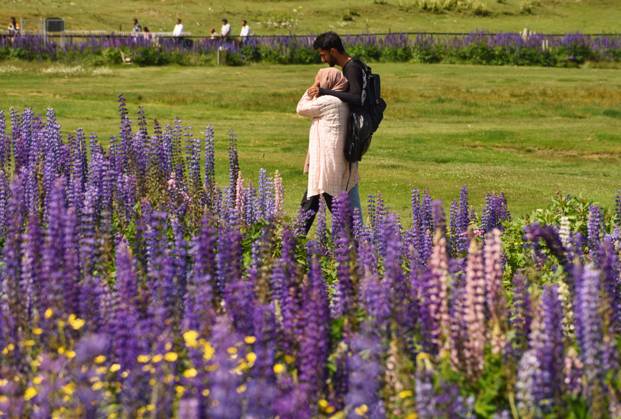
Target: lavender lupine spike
[(344, 296), (546, 340), (210, 159), (526, 384), (618, 208), (521, 314), (31, 264), (224, 382), (463, 221), (279, 195), (4, 199), (363, 398), (53, 248), (435, 292), (4, 142), (549, 235), (474, 312), (594, 228), (233, 166), (495, 212), (611, 267), (589, 321), (494, 296), (70, 251), (87, 238), (194, 157), (314, 339), (453, 230), (125, 317)]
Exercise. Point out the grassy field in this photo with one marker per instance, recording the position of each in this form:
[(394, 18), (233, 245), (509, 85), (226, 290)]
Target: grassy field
[(530, 132), (313, 16)]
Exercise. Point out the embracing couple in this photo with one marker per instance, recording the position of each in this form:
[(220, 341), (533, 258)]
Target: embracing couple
[(329, 102)]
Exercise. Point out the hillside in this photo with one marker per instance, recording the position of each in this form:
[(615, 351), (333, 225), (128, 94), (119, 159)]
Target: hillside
[(312, 16)]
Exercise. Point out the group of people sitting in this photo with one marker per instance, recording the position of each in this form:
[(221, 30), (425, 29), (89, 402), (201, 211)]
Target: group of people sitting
[(179, 31)]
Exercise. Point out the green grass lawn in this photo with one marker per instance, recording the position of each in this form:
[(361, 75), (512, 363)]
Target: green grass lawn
[(527, 131), (314, 16)]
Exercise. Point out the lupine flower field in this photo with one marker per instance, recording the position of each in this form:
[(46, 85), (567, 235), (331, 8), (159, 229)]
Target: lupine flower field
[(132, 285)]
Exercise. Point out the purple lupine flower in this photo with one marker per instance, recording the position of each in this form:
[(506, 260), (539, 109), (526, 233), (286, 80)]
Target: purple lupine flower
[(462, 221), (180, 256), (617, 207), (4, 200), (314, 338), (125, 318), (31, 264), (453, 234), (590, 338), (194, 151), (521, 314), (546, 340), (4, 142), (495, 212), (363, 398), (610, 266), (474, 312), (224, 401), (233, 166), (425, 406), (494, 261), (53, 248), (321, 232), (526, 386), (210, 168), (594, 228), (344, 296), (70, 250), (434, 304)]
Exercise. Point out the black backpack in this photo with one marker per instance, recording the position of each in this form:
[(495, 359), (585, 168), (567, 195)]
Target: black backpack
[(365, 120)]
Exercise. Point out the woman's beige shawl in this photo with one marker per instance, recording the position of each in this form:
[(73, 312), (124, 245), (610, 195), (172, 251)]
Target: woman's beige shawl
[(328, 171)]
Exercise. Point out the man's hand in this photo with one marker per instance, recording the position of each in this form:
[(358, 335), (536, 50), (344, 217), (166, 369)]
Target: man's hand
[(313, 91)]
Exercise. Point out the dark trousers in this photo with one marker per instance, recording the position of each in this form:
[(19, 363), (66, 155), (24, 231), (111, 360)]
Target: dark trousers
[(312, 203)]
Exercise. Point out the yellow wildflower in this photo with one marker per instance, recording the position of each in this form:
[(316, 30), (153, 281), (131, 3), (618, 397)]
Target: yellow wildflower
[(190, 373), (180, 390), (29, 343), (251, 357), (61, 350), (190, 337), (69, 388), (205, 392), (70, 354), (37, 380), (330, 409), (323, 403), (75, 322), (168, 346), (241, 389), (157, 358), (289, 359), (125, 374), (30, 393), (405, 394), (412, 415), (279, 368), (3, 382), (143, 359), (208, 351), (231, 350), (97, 386), (101, 370), (48, 313), (100, 359), (250, 340), (115, 367), (361, 410), (171, 356), (152, 382), (37, 331)]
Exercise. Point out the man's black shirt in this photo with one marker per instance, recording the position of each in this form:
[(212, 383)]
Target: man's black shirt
[(353, 73)]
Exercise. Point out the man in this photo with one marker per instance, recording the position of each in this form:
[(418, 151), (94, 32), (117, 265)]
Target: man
[(245, 32), (332, 52), (225, 30)]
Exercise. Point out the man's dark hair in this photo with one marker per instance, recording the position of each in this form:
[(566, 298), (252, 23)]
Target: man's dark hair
[(329, 40), (244, 22), (225, 21)]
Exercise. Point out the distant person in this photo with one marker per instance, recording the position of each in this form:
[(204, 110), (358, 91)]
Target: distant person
[(137, 28), (13, 27), (178, 29), (225, 30), (245, 32), (213, 34), (146, 33), (329, 174), (332, 52)]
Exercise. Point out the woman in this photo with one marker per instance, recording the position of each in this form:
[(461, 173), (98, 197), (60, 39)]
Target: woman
[(329, 173)]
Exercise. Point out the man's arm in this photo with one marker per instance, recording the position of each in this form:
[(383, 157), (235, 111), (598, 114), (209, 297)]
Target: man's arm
[(353, 74)]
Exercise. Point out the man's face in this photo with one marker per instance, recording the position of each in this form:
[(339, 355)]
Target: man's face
[(327, 57)]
